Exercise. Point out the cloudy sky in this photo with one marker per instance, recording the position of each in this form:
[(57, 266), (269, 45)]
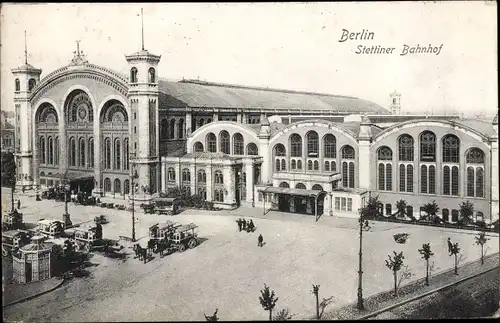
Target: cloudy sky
[(290, 46)]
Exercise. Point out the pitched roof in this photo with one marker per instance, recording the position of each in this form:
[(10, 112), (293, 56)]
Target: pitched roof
[(218, 95)]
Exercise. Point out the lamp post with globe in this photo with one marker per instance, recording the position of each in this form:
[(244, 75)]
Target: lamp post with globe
[(66, 187)]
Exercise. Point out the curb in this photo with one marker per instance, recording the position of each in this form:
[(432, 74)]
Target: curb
[(426, 294), (35, 295)]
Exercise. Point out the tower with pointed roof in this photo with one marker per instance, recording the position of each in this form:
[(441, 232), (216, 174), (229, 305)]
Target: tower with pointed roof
[(143, 101), (26, 77), (395, 103)]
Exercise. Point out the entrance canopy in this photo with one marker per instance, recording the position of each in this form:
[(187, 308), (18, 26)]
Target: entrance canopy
[(73, 176), (291, 191)]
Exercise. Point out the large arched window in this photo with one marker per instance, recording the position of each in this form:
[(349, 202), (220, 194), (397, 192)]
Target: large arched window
[(81, 151), (126, 154), (56, 151), (202, 176), (279, 150), (164, 128), (186, 175), (133, 75), (252, 149), (238, 144), (295, 145), (384, 169), (118, 186), (72, 151), (42, 150), (330, 146), (385, 153), (450, 180), (225, 143), (117, 154), (198, 147), (219, 179), (284, 185), (126, 187), (90, 162), (180, 132), (317, 187), (31, 84), (107, 185), (312, 144), (152, 75), (451, 149), (172, 129), (17, 85), (405, 145), (348, 152), (50, 143), (428, 146), (211, 143), (107, 153)]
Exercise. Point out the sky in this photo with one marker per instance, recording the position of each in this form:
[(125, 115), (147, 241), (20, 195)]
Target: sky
[(279, 45)]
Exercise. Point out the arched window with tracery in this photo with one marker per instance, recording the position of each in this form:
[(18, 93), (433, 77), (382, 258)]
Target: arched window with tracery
[(72, 151), (475, 156), (252, 149), (330, 146), (133, 75), (202, 176), (284, 185), (172, 129), (427, 146), (107, 153), (198, 147), (211, 143), (295, 145), (312, 144), (117, 154), (451, 149), (405, 146), (348, 173), (384, 169), (90, 162), (300, 186), (348, 152), (42, 150), (186, 175), (152, 75), (225, 142), (81, 151), (475, 172), (238, 144), (50, 143), (279, 150)]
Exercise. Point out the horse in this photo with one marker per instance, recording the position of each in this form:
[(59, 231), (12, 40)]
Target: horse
[(151, 246)]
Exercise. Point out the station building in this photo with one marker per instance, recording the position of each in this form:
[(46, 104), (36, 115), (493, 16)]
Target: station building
[(237, 145)]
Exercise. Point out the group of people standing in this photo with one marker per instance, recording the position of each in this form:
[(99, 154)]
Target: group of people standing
[(244, 225)]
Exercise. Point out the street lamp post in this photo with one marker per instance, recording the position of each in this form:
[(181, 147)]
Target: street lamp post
[(360, 305), (66, 186), (134, 175)]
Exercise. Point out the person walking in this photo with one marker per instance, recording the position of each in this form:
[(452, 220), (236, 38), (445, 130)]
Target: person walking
[(260, 241), (239, 224), (244, 224), (450, 245), (251, 225), (18, 204)]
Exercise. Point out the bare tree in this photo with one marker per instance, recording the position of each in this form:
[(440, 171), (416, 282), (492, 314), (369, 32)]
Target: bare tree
[(455, 250), (404, 274), (324, 303), (283, 315)]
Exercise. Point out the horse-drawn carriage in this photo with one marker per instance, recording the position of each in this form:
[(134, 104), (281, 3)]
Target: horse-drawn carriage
[(14, 239), (157, 232), (50, 228), (84, 237), (163, 205), (13, 220)]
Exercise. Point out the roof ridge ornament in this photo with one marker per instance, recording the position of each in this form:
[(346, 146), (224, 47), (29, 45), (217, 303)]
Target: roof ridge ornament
[(79, 58)]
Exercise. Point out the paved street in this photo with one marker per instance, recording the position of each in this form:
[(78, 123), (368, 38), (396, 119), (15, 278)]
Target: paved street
[(474, 298), (228, 269)]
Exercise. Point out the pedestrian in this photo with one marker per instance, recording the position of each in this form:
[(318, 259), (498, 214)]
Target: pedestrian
[(18, 204), (260, 241), (239, 224), (252, 226), (450, 245), (367, 225), (244, 224)]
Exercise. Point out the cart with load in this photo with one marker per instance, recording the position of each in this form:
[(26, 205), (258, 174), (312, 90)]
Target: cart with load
[(177, 238), (165, 205), (84, 237), (101, 219), (14, 239), (50, 228), (163, 231), (13, 220)]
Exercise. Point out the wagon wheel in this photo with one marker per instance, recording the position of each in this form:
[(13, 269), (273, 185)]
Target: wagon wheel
[(182, 247), (192, 243)]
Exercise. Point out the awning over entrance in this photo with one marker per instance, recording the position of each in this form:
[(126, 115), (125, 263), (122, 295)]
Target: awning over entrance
[(73, 176), (291, 191)]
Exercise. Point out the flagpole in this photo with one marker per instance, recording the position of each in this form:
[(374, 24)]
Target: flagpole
[(142, 28)]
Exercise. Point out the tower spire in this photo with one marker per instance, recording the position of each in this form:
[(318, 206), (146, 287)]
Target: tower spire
[(25, 49), (142, 28)]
